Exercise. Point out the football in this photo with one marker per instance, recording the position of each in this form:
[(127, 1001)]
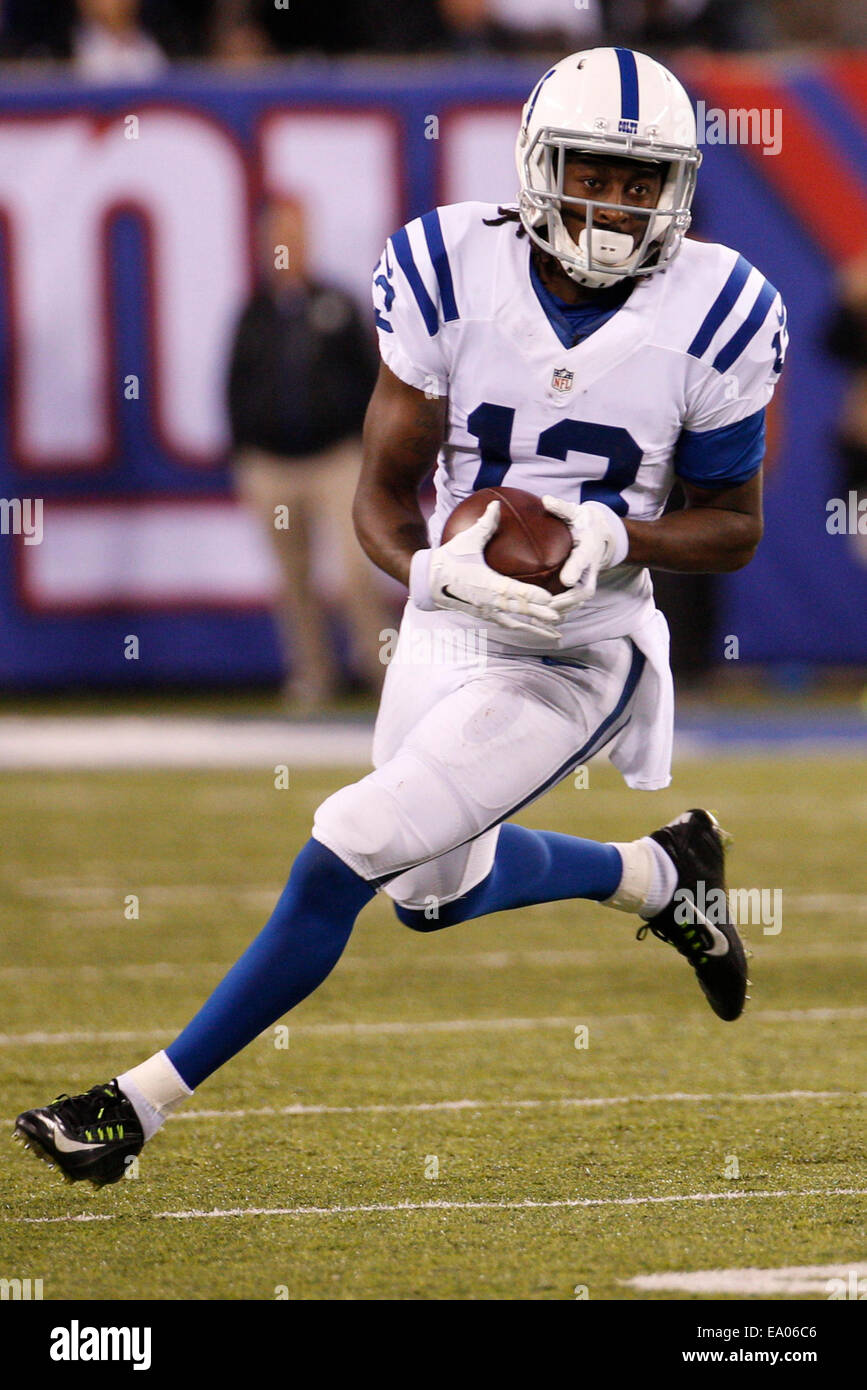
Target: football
[(529, 543)]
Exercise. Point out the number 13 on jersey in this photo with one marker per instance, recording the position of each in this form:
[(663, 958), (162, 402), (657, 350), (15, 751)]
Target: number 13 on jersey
[(492, 425)]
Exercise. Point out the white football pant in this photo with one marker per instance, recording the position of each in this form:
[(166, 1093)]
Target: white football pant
[(465, 736)]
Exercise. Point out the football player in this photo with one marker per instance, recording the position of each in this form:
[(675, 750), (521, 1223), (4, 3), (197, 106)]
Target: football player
[(574, 345)]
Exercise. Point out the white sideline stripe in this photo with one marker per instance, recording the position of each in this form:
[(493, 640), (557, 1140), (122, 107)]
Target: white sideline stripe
[(818, 1015), (104, 895), (579, 1102), (590, 958), (108, 741), (403, 1026), (791, 1279), (148, 741), (575, 1102), (527, 1204)]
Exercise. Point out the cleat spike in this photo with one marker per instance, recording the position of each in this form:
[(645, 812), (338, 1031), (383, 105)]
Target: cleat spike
[(97, 1162)]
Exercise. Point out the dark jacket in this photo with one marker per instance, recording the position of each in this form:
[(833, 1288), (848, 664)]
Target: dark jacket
[(302, 370)]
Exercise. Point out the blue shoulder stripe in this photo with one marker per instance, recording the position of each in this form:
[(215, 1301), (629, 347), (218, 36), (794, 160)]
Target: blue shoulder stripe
[(628, 84), (433, 234), (721, 306), (403, 251), (748, 329)]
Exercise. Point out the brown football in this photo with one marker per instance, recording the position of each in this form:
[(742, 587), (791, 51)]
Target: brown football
[(529, 543)]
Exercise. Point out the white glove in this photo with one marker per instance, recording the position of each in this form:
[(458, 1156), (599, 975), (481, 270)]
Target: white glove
[(456, 575), (599, 542)]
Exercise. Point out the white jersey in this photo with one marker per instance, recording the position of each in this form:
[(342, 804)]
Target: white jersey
[(673, 384)]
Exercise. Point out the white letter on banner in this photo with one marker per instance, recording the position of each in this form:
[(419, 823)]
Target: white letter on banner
[(477, 155), (301, 154), (61, 179)]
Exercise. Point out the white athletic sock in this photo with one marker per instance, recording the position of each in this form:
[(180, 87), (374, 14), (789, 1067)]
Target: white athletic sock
[(155, 1089), (649, 878)]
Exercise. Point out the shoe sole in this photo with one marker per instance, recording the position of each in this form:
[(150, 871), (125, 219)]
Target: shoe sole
[(727, 839), (35, 1146)]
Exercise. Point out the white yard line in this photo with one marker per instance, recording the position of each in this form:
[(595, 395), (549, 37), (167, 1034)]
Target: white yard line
[(791, 1280), (825, 902), (476, 960), (579, 1102), (405, 1026), (567, 1102), (61, 1039), (527, 1204), (105, 894), (817, 1015)]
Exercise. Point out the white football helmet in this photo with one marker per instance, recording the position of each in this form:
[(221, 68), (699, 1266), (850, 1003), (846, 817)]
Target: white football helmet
[(607, 101)]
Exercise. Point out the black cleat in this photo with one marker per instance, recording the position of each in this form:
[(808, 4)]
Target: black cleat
[(697, 921), (91, 1136)]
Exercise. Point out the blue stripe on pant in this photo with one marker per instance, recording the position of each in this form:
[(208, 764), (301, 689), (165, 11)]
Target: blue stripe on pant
[(603, 734)]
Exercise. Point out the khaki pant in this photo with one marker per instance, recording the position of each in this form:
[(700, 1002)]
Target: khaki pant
[(316, 490)]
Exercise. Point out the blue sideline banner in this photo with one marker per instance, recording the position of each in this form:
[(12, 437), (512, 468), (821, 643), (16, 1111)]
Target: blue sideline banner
[(127, 246)]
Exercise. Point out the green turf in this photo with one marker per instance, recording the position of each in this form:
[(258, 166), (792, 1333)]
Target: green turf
[(207, 853)]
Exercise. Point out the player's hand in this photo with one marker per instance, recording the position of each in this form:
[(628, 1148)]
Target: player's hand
[(456, 575), (599, 542)]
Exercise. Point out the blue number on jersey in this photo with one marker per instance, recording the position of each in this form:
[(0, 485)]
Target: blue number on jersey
[(383, 282), (492, 425), (780, 341), (611, 442)]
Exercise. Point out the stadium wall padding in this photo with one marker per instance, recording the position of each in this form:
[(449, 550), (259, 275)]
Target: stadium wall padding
[(127, 243)]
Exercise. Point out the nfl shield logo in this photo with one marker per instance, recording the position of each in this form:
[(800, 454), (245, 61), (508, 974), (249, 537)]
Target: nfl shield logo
[(562, 379)]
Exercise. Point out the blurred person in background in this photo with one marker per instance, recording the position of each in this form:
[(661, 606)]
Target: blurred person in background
[(513, 25), (244, 31), (301, 374), (847, 341), (45, 29), (341, 26), (109, 43), (720, 25), (36, 30), (238, 37)]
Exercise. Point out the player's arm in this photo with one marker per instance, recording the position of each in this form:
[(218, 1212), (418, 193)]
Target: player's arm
[(402, 434), (718, 462), (403, 430), (718, 530), (719, 453)]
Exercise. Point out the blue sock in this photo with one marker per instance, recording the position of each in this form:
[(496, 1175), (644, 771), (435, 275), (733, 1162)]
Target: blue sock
[(296, 949), (531, 866)]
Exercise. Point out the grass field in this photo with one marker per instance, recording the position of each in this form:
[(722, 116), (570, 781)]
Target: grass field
[(725, 1127)]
